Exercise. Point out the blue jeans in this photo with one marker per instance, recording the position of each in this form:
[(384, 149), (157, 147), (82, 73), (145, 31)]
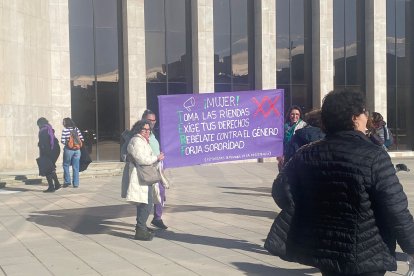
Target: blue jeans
[(71, 158)]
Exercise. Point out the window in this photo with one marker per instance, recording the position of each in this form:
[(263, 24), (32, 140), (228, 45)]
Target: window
[(399, 73), (348, 44), (168, 49), (96, 74), (233, 45), (294, 52)]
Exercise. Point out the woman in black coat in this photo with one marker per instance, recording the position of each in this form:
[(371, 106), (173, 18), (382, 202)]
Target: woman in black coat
[(49, 151), (343, 207)]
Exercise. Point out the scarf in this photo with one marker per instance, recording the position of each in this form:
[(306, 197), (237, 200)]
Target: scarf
[(144, 138), (290, 130), (51, 133)]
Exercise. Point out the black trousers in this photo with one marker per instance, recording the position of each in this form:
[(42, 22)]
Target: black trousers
[(52, 177)]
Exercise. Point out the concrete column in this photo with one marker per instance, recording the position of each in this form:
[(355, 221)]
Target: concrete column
[(59, 61), (376, 55), (265, 44), (134, 60), (322, 50), (203, 46), (265, 48)]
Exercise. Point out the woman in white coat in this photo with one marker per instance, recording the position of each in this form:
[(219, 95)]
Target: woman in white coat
[(140, 152)]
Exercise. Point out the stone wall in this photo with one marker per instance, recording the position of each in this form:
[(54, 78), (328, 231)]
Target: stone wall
[(34, 75)]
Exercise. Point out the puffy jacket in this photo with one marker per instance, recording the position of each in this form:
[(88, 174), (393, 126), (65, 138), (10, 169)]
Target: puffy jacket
[(343, 206)]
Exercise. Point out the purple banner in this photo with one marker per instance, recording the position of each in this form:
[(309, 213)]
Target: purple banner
[(218, 127)]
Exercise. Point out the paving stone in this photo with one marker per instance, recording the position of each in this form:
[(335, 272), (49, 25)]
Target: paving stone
[(218, 218)]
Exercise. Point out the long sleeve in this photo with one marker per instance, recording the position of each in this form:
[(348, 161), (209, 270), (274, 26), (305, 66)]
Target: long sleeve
[(282, 186), (155, 145), (65, 136), (44, 144), (391, 202)]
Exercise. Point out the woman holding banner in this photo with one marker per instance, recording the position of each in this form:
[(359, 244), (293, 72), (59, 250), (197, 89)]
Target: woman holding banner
[(155, 146), (294, 122)]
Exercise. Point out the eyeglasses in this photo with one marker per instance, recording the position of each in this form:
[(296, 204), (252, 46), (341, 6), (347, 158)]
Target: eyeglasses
[(151, 120), (146, 129)]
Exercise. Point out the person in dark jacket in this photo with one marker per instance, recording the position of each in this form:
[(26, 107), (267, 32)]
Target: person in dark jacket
[(343, 207), (49, 151), (372, 135), (308, 134), (379, 131)]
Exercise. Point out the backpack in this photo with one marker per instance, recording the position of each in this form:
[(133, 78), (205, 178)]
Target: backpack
[(74, 141), (388, 137)]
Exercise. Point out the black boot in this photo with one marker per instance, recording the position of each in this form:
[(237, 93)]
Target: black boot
[(159, 223), (51, 188), (56, 180), (143, 235)]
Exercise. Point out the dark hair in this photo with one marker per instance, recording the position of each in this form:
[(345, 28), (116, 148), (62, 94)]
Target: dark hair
[(338, 108), (42, 121), (67, 122), (146, 113), (313, 118), (290, 110), (370, 123), (377, 117), (139, 125)]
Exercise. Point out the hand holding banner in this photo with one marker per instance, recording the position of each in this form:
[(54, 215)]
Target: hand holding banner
[(209, 128)]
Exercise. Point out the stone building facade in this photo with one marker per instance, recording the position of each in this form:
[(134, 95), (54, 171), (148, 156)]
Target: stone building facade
[(102, 62)]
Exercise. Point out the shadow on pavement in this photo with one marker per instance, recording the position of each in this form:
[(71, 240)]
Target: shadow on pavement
[(90, 220), (259, 191), (19, 189), (256, 269), (248, 268), (266, 190), (102, 219), (222, 210), (211, 241)]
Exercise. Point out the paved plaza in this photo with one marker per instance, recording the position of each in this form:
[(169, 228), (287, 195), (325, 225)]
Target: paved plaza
[(218, 217)]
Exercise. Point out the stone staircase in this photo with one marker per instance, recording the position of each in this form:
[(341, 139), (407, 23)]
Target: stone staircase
[(31, 177)]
